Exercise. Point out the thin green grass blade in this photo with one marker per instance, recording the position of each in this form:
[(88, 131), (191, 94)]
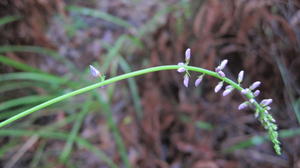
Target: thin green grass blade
[(9, 86), (24, 101), (257, 140), (100, 15), (8, 147), (113, 53), (47, 78), (8, 19), (38, 155), (198, 124), (115, 131), (133, 88), (10, 113), (60, 136), (69, 144), (39, 50), (285, 75), (18, 65)]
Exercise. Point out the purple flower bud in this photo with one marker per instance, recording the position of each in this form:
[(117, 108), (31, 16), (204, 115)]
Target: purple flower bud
[(254, 85), (218, 69), (187, 55), (199, 80), (223, 64), (221, 73), (240, 76), (256, 113), (266, 102), (268, 108), (252, 101), (186, 80), (94, 72), (219, 87), (245, 91), (256, 93), (180, 64), (229, 87), (227, 91), (181, 69), (243, 106)]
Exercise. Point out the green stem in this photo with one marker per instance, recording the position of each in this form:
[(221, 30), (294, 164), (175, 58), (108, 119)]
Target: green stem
[(116, 79)]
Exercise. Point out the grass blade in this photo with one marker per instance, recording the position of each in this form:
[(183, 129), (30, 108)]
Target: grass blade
[(23, 101), (100, 15), (69, 144), (133, 89), (115, 131), (18, 65), (257, 140), (60, 136), (7, 19)]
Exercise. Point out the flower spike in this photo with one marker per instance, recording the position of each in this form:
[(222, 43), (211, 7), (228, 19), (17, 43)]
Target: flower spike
[(250, 93)]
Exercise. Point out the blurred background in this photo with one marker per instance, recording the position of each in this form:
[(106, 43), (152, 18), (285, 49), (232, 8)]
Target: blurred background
[(151, 121)]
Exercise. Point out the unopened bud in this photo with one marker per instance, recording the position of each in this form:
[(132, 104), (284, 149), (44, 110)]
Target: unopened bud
[(243, 106), (227, 91), (186, 80), (223, 64), (187, 55), (255, 85), (180, 64), (229, 87), (221, 73), (199, 80), (266, 102), (256, 93), (219, 87), (245, 91), (181, 69), (94, 72), (240, 76)]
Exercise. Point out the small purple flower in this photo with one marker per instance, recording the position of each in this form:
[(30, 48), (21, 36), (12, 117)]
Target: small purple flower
[(180, 64), (186, 80), (256, 113), (181, 69), (199, 80), (243, 106), (227, 91), (240, 76), (256, 93), (223, 64), (255, 85), (187, 55), (266, 102), (229, 87), (245, 91), (221, 73), (219, 86), (94, 72)]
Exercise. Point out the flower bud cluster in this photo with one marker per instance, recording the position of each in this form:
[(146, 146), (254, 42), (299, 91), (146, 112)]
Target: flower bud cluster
[(261, 109), (182, 69)]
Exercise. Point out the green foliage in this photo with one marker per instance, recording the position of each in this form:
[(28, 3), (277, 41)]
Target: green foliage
[(8, 19)]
